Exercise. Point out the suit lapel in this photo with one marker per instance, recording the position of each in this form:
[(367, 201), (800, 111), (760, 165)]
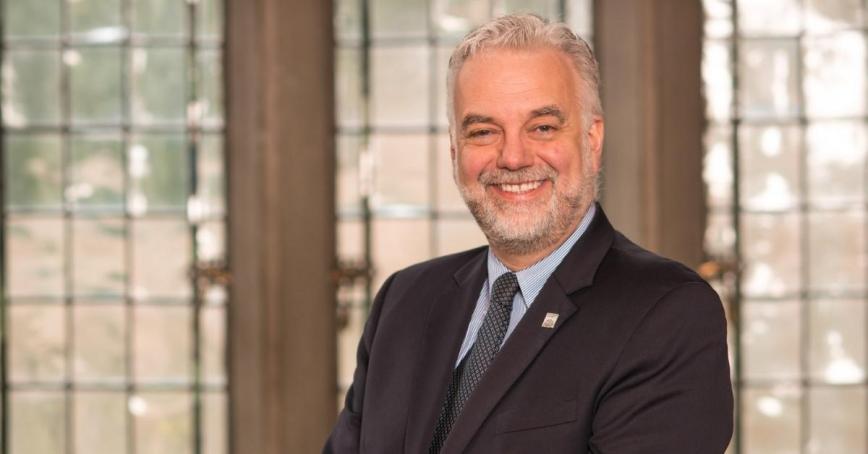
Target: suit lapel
[(529, 337), (447, 323)]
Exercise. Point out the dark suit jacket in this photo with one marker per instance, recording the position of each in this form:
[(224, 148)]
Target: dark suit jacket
[(637, 362)]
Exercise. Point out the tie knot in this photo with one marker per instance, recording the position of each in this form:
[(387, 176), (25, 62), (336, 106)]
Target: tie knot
[(504, 289)]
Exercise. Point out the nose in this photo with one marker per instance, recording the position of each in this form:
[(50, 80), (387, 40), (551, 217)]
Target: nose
[(513, 153)]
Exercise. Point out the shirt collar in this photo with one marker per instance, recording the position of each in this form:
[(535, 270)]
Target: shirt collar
[(532, 278)]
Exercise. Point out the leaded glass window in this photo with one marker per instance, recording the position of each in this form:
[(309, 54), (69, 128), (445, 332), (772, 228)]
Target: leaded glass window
[(396, 201), (785, 169), (113, 197)]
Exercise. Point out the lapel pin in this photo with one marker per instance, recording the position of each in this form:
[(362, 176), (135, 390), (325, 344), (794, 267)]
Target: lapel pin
[(550, 320)]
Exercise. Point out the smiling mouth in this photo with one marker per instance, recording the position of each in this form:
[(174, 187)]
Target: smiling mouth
[(518, 188)]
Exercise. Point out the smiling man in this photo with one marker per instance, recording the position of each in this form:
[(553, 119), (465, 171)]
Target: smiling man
[(560, 336)]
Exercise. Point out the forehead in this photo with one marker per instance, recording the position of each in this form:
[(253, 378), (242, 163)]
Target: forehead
[(497, 79)]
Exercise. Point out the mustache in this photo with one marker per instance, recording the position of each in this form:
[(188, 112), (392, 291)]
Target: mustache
[(505, 176)]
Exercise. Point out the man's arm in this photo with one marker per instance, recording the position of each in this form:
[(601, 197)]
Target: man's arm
[(345, 435), (670, 391)]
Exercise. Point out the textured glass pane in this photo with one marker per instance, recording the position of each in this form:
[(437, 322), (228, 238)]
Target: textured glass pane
[(580, 17), (159, 17), (769, 161), (213, 344), (37, 421), (837, 252), (836, 163), (545, 8), (455, 235), (350, 236), (771, 420), (718, 18), (32, 171), (399, 243), (348, 189), (400, 170), (36, 343), (825, 15), (720, 236), (163, 422), (838, 335), (99, 343), (770, 340), (717, 172), (31, 18), (770, 250), (158, 167), (96, 173), (717, 79), (348, 20), (211, 178), (214, 423), (215, 295), (31, 87), (98, 257), (161, 259), (837, 420), (210, 88), (835, 75), (35, 257), (448, 197), (454, 18), (769, 17), (162, 344), (441, 96), (100, 422), (399, 79), (768, 78), (95, 82), (209, 18), (158, 85), (348, 87), (398, 17), (94, 17), (211, 241)]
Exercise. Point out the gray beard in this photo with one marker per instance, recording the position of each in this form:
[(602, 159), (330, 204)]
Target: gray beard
[(535, 233), (536, 229)]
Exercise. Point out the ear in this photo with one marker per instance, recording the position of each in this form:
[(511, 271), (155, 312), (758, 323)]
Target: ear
[(595, 141)]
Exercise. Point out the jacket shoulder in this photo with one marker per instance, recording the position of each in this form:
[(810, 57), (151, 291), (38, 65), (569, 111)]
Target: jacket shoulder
[(639, 267)]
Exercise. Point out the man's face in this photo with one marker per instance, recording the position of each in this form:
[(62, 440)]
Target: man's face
[(524, 158)]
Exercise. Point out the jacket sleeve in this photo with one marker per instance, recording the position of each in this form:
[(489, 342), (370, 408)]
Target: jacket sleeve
[(345, 436), (670, 391)]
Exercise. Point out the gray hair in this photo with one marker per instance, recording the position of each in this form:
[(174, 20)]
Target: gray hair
[(525, 31)]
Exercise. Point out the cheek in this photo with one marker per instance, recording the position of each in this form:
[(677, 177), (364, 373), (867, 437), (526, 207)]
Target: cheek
[(564, 160), (470, 165)]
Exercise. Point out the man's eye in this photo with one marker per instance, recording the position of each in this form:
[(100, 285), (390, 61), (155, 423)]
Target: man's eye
[(546, 128), (480, 133)]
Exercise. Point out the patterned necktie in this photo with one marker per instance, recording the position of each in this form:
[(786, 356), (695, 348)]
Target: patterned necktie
[(472, 368)]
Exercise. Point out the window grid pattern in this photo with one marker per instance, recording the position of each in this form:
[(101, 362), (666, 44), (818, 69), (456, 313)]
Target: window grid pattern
[(785, 170), (396, 201), (113, 187)]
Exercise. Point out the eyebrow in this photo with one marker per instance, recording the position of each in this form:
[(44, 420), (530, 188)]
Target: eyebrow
[(470, 119), (544, 111), (552, 110)]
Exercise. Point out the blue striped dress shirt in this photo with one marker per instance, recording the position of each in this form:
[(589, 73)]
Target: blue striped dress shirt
[(530, 283)]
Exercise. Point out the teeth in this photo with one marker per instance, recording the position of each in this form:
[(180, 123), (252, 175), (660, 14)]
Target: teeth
[(523, 187)]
